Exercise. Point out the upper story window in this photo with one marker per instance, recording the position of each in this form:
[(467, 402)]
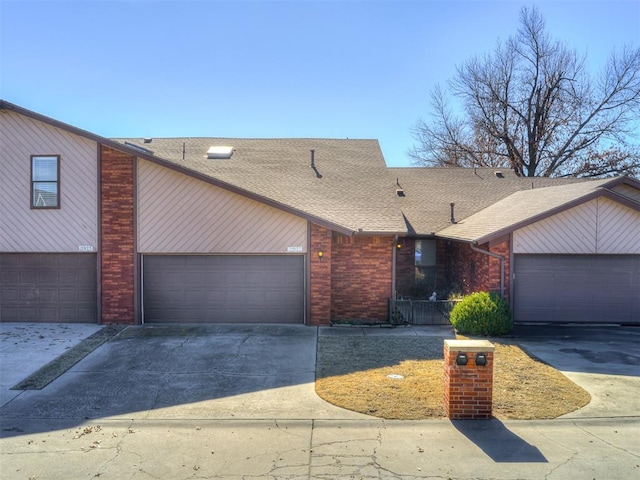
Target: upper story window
[(45, 181)]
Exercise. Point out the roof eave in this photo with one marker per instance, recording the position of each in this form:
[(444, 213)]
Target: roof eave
[(612, 195), (4, 105)]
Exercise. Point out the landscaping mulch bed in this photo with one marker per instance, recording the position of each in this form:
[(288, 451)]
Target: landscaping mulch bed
[(352, 373)]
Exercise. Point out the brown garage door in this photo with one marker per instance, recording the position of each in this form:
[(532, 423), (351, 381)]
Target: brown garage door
[(577, 288), (48, 287), (223, 288)]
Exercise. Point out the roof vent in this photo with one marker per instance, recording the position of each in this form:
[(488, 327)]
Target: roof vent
[(498, 174), (147, 140), (313, 164), (400, 193), (219, 152)]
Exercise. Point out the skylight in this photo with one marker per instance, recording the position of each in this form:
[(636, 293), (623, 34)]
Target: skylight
[(219, 152)]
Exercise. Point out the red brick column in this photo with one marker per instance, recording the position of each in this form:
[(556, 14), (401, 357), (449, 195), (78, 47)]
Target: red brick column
[(468, 389), (320, 276), (117, 251)]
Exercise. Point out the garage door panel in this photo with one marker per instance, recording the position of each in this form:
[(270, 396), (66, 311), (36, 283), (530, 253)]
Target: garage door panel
[(10, 295), (48, 287), (577, 288), (224, 289), (27, 314), (30, 277)]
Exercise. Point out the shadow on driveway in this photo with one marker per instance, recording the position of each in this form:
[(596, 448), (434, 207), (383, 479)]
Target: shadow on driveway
[(144, 370)]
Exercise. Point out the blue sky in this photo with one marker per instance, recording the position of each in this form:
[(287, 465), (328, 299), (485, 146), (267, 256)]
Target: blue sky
[(337, 69)]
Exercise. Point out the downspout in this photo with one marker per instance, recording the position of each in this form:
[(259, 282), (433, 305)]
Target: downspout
[(494, 255), (393, 267)]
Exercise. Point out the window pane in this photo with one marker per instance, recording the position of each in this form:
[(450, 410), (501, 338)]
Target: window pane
[(45, 169), (426, 253), (45, 194)]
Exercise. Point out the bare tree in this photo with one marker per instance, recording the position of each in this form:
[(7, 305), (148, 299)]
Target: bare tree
[(532, 106)]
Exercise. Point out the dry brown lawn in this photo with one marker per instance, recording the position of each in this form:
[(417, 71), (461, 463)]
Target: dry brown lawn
[(352, 374)]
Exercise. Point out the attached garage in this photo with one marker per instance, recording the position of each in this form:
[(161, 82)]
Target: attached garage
[(48, 287), (577, 288), (223, 288), (580, 265)]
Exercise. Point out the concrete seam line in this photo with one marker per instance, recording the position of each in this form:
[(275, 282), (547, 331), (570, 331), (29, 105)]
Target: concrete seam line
[(52, 370)]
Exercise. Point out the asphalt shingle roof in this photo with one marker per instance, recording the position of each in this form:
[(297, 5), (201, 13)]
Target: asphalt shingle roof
[(430, 191), (519, 208), (352, 188), (349, 187)]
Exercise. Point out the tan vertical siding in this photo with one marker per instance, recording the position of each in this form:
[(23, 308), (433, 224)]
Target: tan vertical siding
[(23, 229), (571, 231), (179, 214), (618, 228), (599, 226)]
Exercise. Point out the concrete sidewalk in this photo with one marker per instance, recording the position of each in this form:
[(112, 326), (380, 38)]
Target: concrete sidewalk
[(273, 425)]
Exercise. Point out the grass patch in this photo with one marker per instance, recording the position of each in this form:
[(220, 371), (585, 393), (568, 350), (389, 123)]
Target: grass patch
[(352, 374)]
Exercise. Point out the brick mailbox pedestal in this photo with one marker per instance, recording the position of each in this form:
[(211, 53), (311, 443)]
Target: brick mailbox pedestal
[(468, 379)]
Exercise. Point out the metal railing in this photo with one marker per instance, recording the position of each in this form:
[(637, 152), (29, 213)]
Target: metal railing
[(420, 312)]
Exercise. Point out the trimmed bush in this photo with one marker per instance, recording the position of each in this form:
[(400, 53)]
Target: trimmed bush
[(482, 313)]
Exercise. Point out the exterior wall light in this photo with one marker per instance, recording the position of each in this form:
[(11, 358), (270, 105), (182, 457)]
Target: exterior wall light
[(481, 359), (461, 359), (320, 254)]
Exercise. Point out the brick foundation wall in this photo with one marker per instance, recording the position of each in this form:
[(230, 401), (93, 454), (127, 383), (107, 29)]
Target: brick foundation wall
[(468, 389), (117, 251), (320, 276), (361, 282)]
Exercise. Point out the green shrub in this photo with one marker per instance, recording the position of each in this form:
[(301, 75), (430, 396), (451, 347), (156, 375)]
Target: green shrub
[(482, 313)]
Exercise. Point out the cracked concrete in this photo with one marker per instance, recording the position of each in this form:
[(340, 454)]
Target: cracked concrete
[(154, 403), (359, 449)]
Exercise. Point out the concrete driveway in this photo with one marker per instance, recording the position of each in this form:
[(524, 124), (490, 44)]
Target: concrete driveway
[(208, 371), (605, 361), (235, 401)]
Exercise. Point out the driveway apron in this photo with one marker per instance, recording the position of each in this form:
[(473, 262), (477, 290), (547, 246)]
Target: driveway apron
[(212, 371)]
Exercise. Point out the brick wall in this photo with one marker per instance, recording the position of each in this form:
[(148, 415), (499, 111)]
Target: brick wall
[(117, 236), (468, 389), (473, 271), (500, 247), (406, 284), (320, 275), (361, 282), (467, 270), (406, 267)]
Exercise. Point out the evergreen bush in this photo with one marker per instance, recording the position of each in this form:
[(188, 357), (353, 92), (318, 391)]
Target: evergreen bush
[(482, 313)]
